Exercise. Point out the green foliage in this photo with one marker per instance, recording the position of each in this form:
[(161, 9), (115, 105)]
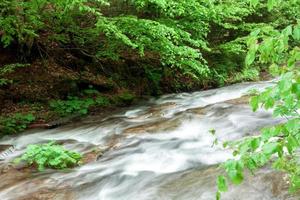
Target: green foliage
[(125, 98), (6, 69), (71, 106), (50, 155), (222, 185), (155, 77), (22, 20), (187, 35), (76, 105), (248, 74), (277, 144), (102, 101), (16, 123)]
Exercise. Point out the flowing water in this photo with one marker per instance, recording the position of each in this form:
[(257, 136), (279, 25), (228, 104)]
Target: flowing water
[(161, 149)]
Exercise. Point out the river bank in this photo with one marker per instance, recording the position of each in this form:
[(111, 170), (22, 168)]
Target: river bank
[(48, 93)]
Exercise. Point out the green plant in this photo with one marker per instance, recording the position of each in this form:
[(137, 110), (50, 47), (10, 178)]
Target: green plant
[(72, 106), (76, 105), (277, 145), (125, 98), (248, 74), (16, 123), (50, 155), (90, 92), (189, 35), (6, 69), (154, 76), (102, 101)]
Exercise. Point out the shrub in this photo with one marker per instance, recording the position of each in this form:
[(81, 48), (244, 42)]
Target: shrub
[(50, 155), (102, 101), (248, 74), (72, 106), (75, 105), (15, 123)]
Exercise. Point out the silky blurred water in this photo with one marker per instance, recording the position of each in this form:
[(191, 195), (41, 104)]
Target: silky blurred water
[(162, 149)]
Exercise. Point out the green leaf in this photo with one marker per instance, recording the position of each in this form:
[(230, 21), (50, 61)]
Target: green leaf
[(234, 171), (267, 133), (271, 4), (288, 31), (254, 2), (254, 103), (251, 164), (255, 142), (274, 69), (212, 131), (218, 195), (236, 176), (269, 103), (251, 54), (254, 33), (221, 183), (292, 144), (296, 32), (270, 148), (296, 89)]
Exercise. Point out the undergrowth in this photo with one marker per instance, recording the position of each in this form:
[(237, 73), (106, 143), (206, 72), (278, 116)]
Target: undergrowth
[(49, 155), (15, 123)]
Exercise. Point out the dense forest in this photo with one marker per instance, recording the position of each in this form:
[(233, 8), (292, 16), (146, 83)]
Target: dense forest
[(62, 59)]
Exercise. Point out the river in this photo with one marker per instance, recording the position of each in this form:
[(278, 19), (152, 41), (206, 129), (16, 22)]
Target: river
[(158, 150)]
